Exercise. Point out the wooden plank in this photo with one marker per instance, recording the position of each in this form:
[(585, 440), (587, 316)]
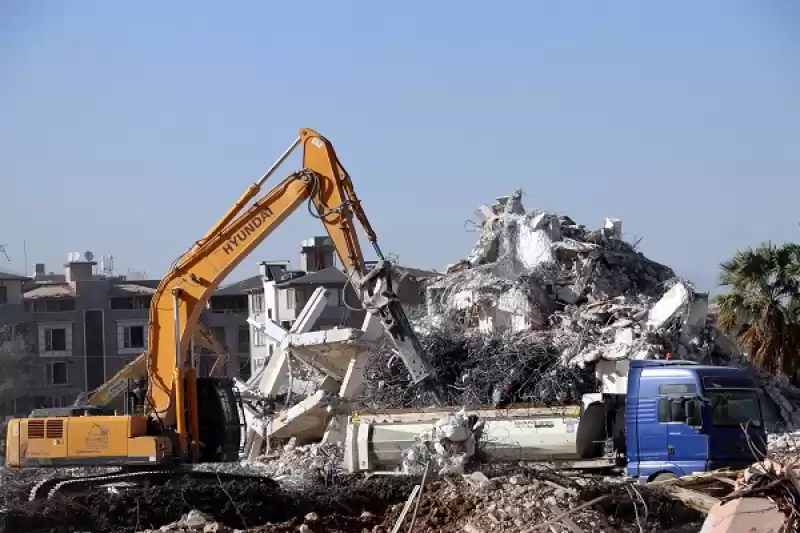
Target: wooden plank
[(701, 478), (692, 498), (406, 508)]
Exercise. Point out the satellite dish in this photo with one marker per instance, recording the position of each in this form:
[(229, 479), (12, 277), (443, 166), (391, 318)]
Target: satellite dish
[(88, 255)]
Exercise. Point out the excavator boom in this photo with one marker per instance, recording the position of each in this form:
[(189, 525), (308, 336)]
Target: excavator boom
[(182, 294)]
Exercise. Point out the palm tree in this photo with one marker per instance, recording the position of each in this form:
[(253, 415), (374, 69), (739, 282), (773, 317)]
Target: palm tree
[(762, 305)]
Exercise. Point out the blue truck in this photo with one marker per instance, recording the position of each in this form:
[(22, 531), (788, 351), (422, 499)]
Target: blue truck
[(652, 419), (675, 418)]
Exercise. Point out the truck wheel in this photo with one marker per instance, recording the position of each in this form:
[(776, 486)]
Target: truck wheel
[(591, 432), (618, 432)]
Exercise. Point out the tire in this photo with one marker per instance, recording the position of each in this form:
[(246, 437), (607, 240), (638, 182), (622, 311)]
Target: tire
[(591, 432), (618, 431)]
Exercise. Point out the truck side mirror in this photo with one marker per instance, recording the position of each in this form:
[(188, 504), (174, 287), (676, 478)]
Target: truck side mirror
[(693, 418), (677, 411)]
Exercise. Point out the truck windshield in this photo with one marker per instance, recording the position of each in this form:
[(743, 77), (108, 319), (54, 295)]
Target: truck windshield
[(731, 408)]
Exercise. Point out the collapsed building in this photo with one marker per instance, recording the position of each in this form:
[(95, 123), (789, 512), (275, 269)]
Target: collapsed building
[(542, 302), (529, 316)]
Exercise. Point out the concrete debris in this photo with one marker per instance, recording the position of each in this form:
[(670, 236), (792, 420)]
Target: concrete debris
[(313, 464), (449, 445), (545, 501), (744, 515), (784, 443), (541, 280), (760, 499), (193, 522)]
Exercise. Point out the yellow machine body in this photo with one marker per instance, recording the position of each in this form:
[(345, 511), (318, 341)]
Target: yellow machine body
[(84, 440)]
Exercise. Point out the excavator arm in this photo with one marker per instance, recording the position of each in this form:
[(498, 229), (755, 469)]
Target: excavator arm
[(183, 293)]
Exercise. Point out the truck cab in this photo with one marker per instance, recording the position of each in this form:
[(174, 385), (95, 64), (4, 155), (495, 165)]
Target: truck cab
[(682, 417)]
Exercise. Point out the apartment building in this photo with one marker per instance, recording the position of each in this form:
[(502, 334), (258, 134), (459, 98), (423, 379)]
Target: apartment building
[(279, 294), (80, 328)]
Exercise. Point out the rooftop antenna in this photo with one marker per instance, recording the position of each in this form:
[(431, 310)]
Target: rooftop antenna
[(3, 249)]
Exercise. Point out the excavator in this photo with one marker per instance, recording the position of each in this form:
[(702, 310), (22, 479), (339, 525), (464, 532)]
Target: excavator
[(182, 419)]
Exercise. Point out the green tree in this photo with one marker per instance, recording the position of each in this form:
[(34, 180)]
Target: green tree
[(762, 305)]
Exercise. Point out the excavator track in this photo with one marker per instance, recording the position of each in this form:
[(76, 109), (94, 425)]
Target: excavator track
[(49, 488)]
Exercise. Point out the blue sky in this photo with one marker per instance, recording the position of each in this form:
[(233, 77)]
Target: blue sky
[(129, 128)]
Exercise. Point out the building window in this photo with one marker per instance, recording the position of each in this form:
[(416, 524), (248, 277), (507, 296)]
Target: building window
[(3, 294), (259, 337), (269, 314), (244, 339), (333, 298), (259, 362), (133, 337), (57, 373), (55, 339), (290, 296), (52, 305), (258, 303), (271, 349), (286, 324)]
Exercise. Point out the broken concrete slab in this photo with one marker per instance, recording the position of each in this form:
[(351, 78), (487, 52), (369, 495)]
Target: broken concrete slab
[(674, 301), (744, 515)]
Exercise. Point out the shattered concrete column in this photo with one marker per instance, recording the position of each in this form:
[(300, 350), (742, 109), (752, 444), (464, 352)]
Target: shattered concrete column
[(352, 387), (274, 373), (277, 367)]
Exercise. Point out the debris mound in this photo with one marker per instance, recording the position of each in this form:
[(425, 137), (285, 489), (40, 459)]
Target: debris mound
[(312, 464), (542, 501), (539, 302)]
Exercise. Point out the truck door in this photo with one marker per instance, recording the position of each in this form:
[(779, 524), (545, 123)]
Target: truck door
[(727, 412), (687, 445)]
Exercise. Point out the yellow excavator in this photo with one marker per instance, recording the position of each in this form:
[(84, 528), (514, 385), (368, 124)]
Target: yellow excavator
[(182, 418)]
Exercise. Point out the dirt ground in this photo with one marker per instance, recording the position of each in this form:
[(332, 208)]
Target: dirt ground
[(236, 504), (353, 504)]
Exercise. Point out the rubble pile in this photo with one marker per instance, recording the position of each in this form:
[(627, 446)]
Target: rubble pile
[(541, 298), (313, 464), (764, 497), (777, 483), (542, 501)]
